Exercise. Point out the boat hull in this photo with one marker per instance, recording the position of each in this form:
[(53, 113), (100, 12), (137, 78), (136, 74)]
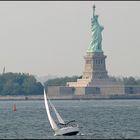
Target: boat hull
[(67, 131)]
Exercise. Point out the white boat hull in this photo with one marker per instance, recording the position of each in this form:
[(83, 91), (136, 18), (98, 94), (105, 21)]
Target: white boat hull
[(67, 131)]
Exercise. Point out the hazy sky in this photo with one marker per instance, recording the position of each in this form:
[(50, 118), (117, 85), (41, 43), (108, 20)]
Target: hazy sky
[(51, 38)]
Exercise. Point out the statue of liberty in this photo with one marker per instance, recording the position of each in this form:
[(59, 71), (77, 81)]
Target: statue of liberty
[(96, 41)]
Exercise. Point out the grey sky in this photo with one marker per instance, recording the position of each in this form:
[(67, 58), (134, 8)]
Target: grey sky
[(47, 37)]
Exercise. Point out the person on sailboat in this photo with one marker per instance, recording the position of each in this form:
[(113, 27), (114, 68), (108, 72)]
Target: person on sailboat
[(70, 123)]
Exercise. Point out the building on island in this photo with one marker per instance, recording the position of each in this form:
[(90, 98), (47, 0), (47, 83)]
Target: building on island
[(95, 79), (95, 75)]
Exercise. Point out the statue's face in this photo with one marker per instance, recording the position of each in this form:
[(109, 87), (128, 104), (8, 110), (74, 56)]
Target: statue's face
[(95, 18)]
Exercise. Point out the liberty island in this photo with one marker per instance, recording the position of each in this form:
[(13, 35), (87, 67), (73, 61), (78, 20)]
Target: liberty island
[(95, 79)]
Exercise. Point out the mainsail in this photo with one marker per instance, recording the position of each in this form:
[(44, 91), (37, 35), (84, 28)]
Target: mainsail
[(57, 114), (53, 124)]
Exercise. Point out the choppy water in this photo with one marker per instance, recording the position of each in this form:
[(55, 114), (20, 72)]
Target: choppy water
[(96, 118)]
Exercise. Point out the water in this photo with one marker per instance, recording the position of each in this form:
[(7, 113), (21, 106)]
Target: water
[(98, 119)]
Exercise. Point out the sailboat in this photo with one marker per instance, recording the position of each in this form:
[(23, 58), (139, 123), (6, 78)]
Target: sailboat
[(61, 128)]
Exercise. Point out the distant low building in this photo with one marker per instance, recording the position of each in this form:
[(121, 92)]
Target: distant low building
[(132, 89)]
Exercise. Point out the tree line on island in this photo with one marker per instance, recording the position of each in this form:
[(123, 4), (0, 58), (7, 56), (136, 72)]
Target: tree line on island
[(26, 84), (19, 84), (62, 81)]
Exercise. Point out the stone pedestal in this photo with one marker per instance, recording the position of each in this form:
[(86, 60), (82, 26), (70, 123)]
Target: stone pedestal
[(95, 67)]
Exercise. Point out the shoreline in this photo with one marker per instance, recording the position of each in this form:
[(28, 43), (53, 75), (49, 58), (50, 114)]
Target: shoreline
[(84, 97)]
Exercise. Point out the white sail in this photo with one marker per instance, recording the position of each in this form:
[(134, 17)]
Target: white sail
[(53, 124), (57, 114)]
